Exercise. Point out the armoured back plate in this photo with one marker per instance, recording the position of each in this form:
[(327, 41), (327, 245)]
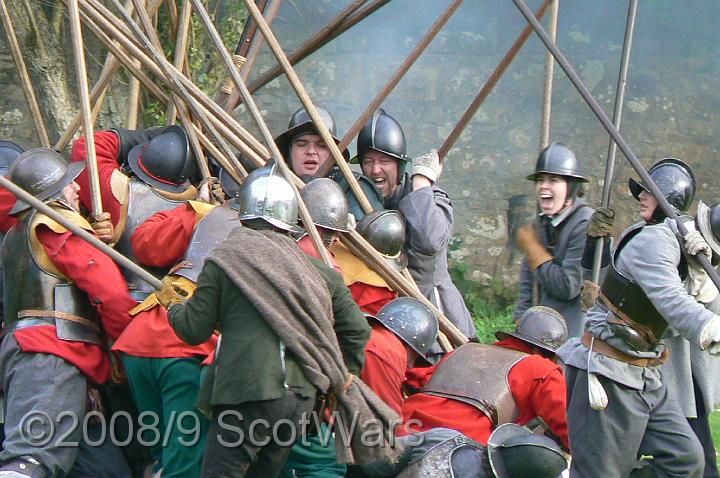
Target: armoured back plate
[(143, 202), (476, 374), (212, 229)]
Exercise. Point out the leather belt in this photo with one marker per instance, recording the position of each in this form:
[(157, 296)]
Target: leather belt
[(608, 350), (31, 313)]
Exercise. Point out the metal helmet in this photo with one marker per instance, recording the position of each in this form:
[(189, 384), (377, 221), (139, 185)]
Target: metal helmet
[(268, 196), (384, 134), (9, 151), (302, 123), (228, 183), (164, 161), (43, 173), (542, 326), (412, 321), (708, 222), (516, 452), (675, 180), (327, 204), (560, 160), (384, 229)]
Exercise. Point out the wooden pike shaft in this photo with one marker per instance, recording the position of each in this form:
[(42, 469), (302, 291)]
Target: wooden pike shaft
[(308, 104), (546, 115), (112, 25), (76, 30), (346, 19), (25, 196), (267, 136), (24, 76), (400, 72), (112, 65), (181, 44), (365, 252), (490, 84)]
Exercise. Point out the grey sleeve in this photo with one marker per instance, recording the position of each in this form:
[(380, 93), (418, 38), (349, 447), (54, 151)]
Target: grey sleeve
[(564, 280), (429, 216), (655, 269), (526, 285)]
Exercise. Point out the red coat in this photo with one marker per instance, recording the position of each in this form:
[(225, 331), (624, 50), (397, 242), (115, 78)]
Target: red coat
[(161, 241), (7, 201), (107, 148), (385, 365), (306, 245), (98, 276), (536, 383)]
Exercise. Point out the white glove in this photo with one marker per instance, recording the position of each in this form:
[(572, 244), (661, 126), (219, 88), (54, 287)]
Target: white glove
[(710, 336), (698, 284), (695, 244), (427, 165)]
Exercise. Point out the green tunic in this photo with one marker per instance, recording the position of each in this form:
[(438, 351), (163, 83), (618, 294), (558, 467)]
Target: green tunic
[(252, 363)]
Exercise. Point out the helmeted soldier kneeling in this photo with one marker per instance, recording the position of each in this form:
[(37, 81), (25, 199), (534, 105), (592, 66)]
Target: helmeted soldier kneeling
[(52, 345), (478, 387)]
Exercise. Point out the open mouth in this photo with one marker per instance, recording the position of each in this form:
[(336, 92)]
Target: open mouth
[(546, 200), (379, 182)]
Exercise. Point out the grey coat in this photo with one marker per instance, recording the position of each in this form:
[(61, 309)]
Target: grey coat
[(655, 269), (561, 279), (428, 215)]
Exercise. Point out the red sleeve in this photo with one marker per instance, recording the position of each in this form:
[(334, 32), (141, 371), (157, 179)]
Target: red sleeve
[(370, 298), (107, 148), (384, 370), (164, 237), (306, 245), (94, 273), (418, 377), (538, 386), (7, 201)]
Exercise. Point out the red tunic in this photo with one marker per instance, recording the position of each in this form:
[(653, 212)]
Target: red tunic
[(385, 365), (536, 383), (107, 148), (7, 201), (370, 298), (161, 241), (97, 275), (306, 245)]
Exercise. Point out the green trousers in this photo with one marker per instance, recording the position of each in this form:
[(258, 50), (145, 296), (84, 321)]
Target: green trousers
[(165, 391), (315, 458)]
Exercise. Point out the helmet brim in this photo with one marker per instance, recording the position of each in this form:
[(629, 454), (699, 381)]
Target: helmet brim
[(498, 437), (575, 177), (500, 335), (705, 226), (283, 140), (636, 187), (73, 171), (134, 163)]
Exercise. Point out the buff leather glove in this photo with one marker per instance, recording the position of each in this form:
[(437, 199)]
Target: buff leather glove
[(427, 165), (211, 191), (171, 292), (103, 227), (601, 223), (589, 295), (529, 242), (695, 244)]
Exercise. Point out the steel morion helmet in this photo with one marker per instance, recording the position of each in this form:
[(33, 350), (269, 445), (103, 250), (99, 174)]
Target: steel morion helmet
[(384, 229), (516, 452), (675, 180), (542, 326), (411, 321), (327, 204), (268, 196), (560, 160), (384, 134), (302, 123), (163, 162), (9, 151), (43, 173)]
